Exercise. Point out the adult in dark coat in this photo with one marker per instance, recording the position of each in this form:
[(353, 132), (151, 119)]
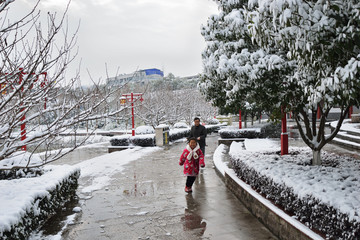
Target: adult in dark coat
[(198, 131)]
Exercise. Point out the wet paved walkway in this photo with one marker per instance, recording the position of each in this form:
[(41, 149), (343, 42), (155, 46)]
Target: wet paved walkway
[(147, 201)]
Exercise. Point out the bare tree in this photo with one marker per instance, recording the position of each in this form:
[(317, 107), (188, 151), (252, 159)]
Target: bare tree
[(34, 90), (168, 106)]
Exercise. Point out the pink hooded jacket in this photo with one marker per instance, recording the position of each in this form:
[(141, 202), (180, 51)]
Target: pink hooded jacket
[(192, 159)]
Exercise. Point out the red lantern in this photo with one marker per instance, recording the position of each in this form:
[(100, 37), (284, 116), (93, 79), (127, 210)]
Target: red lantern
[(123, 100)]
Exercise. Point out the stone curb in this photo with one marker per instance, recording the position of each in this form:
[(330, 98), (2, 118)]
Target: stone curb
[(276, 220)]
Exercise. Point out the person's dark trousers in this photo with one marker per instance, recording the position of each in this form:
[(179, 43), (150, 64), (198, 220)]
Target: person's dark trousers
[(190, 181), (203, 150)]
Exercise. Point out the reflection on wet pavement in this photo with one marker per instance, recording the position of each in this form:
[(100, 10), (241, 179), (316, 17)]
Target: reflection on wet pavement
[(191, 220)]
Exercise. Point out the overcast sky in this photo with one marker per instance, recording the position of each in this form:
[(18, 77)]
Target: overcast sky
[(135, 34)]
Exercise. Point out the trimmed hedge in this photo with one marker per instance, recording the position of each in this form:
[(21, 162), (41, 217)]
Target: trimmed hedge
[(269, 130), (43, 208), (310, 211), (213, 128), (241, 133), (178, 134), (149, 140)]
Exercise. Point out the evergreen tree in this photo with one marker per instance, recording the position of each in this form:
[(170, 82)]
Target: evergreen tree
[(302, 55)]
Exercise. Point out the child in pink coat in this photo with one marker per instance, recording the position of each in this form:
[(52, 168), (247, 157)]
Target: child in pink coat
[(192, 158)]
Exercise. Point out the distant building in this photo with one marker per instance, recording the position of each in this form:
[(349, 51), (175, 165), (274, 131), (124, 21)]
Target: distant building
[(140, 76), (191, 78)]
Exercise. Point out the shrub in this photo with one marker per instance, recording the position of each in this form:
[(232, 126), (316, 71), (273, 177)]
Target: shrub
[(142, 130), (180, 125), (147, 140), (271, 130), (308, 210), (213, 121), (43, 207), (241, 133), (176, 134), (120, 141)]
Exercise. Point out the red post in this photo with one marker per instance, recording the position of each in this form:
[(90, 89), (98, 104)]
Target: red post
[(132, 113), (23, 117), (318, 113), (284, 134), (23, 131), (130, 97), (239, 118), (350, 111)]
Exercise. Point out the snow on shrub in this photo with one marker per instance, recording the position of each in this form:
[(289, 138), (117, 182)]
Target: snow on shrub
[(269, 130), (176, 134), (241, 133), (146, 140), (28, 202), (213, 121), (18, 160), (325, 198), (180, 125), (142, 130), (212, 128)]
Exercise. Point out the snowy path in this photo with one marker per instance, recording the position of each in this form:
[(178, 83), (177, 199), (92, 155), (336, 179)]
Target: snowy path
[(147, 201)]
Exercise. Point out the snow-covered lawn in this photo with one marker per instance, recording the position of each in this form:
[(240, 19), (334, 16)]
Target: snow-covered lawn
[(335, 184)]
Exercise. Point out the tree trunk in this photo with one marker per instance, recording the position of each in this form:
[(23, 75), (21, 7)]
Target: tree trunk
[(245, 120), (316, 158)]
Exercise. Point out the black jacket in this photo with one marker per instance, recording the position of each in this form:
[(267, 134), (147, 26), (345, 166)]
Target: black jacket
[(199, 131)]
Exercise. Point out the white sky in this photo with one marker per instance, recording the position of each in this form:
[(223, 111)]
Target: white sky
[(135, 34)]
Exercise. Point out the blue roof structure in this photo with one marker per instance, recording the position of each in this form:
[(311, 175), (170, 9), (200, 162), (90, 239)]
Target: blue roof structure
[(153, 71)]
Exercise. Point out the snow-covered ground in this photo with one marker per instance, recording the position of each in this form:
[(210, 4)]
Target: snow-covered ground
[(337, 186), (347, 126)]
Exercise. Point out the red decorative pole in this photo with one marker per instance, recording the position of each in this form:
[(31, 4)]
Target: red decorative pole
[(23, 117), (239, 118), (284, 134), (132, 114), (130, 97)]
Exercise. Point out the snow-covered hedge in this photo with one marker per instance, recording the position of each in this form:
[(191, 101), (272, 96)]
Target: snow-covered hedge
[(149, 139), (241, 133), (213, 128), (176, 134), (269, 130), (213, 121), (146, 140), (26, 203), (325, 198), (180, 125), (143, 130)]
